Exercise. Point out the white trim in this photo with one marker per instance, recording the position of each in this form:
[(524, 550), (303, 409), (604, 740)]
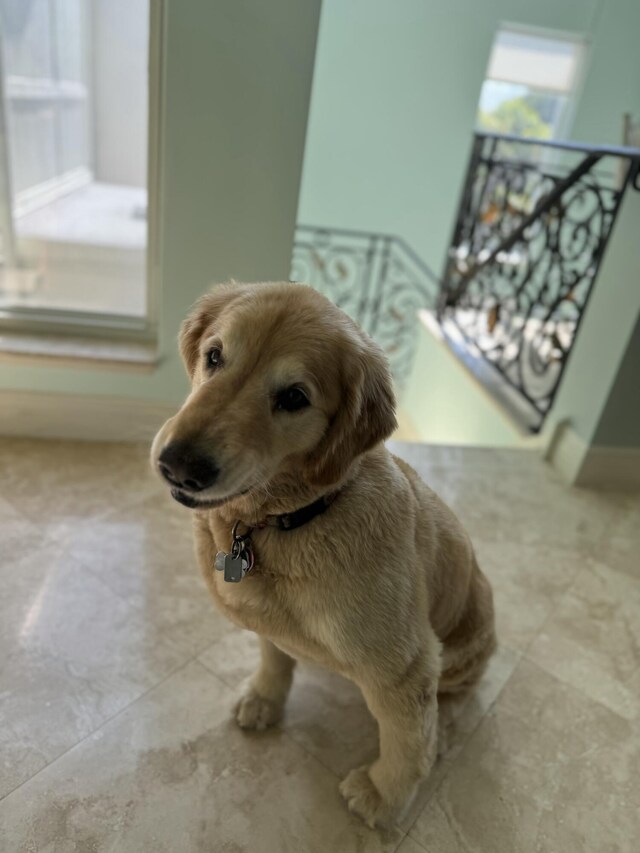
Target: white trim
[(597, 466), (46, 320), (39, 195), (7, 231), (81, 417), (20, 88), (565, 450), (75, 351), (155, 136)]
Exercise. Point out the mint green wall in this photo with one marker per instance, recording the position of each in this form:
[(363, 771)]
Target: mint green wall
[(238, 78), (606, 329), (447, 405), (394, 103), (612, 84), (619, 425), (392, 114)]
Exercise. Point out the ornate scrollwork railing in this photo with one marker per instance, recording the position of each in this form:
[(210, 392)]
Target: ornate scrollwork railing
[(376, 278), (533, 224)]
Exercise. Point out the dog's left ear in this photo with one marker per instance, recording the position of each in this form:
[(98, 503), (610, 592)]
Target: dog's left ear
[(366, 415)]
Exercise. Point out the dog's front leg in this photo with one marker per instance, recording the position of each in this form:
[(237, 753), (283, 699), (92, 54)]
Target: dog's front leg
[(264, 699), (407, 714)]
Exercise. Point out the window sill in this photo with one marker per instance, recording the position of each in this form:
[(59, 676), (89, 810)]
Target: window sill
[(65, 351)]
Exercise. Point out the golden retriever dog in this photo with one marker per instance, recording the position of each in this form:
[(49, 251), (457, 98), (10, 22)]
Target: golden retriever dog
[(312, 534)]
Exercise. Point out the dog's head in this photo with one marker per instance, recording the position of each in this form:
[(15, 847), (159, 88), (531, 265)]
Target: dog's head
[(282, 383)]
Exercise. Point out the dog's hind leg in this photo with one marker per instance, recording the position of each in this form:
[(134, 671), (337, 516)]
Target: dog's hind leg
[(467, 648)]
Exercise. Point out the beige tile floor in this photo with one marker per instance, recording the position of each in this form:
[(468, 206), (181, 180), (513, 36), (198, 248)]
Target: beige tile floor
[(117, 676)]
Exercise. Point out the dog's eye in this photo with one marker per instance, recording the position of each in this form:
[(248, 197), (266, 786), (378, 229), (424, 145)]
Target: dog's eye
[(291, 399), (214, 358)]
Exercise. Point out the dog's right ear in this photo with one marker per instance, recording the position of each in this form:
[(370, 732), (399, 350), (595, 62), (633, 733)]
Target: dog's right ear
[(201, 316)]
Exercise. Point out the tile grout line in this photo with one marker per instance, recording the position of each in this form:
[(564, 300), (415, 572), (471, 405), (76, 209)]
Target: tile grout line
[(235, 688), (98, 728), (552, 611), (405, 833), (576, 689), (523, 655), (550, 615), (298, 745), (467, 739)]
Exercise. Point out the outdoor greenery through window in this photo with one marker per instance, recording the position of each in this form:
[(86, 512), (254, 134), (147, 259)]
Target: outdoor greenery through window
[(529, 85)]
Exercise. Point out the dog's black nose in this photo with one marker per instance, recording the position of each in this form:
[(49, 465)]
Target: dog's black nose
[(184, 467)]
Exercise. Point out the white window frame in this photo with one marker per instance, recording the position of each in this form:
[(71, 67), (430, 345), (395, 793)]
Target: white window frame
[(115, 327), (581, 40)]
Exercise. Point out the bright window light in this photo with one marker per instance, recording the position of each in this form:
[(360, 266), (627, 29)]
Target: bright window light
[(73, 157), (531, 80)]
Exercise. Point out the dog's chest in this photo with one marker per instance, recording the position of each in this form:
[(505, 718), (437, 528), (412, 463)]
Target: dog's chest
[(287, 606)]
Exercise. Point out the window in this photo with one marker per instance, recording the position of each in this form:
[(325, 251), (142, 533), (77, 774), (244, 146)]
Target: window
[(530, 82), (74, 138)]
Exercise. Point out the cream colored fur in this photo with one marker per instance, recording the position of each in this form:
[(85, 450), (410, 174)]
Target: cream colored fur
[(383, 587)]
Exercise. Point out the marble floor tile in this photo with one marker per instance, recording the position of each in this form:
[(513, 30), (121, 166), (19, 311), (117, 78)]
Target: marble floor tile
[(72, 654), (546, 770), (452, 457), (514, 509), (17, 533), (459, 717), (410, 845), (592, 639), (327, 715), (55, 481), (146, 556), (510, 495), (620, 548), (173, 773), (118, 676), (527, 581)]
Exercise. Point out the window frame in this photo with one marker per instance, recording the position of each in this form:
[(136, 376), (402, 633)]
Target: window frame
[(579, 39), (32, 322)]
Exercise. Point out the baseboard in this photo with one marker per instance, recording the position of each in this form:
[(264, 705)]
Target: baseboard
[(565, 450), (595, 466), (81, 417), (611, 468)]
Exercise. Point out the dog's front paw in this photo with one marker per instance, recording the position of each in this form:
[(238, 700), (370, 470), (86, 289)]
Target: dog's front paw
[(256, 712), (364, 799)]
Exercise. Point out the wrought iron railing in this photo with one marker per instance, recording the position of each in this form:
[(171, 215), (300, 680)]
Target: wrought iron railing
[(533, 225), (376, 278)]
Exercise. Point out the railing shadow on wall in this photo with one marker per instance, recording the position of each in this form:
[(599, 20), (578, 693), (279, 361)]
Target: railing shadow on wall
[(376, 278)]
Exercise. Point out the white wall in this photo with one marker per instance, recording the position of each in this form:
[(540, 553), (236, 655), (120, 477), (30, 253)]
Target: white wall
[(119, 62)]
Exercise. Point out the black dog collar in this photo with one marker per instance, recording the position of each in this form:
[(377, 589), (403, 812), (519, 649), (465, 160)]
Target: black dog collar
[(291, 520), (240, 561)]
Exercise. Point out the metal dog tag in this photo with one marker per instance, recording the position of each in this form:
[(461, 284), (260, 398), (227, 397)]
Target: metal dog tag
[(240, 561), (234, 568)]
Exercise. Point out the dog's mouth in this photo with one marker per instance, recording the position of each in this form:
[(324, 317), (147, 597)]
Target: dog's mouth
[(191, 502)]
